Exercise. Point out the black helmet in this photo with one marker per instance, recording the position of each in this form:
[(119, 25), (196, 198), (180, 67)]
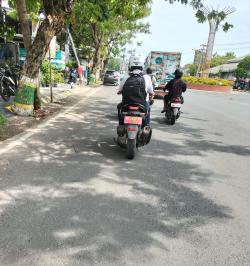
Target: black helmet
[(149, 71), (178, 73)]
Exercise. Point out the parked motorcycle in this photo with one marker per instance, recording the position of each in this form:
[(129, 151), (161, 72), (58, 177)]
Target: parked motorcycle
[(133, 134), (173, 110), (9, 79)]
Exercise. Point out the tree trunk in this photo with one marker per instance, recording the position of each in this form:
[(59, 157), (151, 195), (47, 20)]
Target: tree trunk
[(97, 35), (209, 51), (106, 60), (25, 23), (96, 62), (105, 65), (27, 98)]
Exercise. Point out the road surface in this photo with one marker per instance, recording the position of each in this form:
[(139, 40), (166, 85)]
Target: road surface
[(68, 196)]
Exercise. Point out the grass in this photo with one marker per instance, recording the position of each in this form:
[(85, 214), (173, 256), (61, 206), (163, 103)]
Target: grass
[(3, 119)]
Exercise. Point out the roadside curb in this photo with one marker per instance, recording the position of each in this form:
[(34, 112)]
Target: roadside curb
[(209, 91), (240, 92), (211, 88), (57, 96), (62, 94)]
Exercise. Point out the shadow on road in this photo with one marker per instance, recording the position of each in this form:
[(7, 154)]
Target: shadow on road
[(70, 188)]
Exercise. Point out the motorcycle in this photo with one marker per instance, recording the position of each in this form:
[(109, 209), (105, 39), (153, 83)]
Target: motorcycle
[(9, 79), (133, 133), (72, 78), (173, 111)]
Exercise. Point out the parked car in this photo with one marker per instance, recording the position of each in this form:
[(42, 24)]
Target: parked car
[(111, 77), (122, 75)]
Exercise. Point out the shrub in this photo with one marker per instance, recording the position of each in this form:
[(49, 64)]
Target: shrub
[(56, 75), (71, 64), (208, 81)]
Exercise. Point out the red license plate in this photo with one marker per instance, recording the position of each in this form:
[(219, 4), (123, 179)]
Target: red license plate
[(133, 120)]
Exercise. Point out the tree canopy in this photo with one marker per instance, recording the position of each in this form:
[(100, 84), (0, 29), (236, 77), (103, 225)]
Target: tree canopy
[(243, 69), (106, 26), (192, 69), (221, 59)]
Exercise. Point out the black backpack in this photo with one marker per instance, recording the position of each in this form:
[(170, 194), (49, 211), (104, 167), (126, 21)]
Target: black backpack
[(134, 90)]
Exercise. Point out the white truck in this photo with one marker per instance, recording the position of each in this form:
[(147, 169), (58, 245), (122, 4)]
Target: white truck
[(163, 65)]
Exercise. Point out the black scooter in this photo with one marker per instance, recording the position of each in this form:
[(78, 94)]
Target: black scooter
[(9, 79)]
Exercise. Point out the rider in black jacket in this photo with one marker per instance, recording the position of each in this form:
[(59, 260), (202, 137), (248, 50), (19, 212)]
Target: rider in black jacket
[(175, 88)]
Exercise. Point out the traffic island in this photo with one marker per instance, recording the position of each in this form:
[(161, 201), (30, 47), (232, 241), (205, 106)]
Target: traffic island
[(209, 84), (205, 87)]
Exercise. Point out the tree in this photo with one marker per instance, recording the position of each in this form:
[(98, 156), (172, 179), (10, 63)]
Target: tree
[(114, 63), (194, 3), (192, 69), (215, 18), (243, 69), (221, 59), (27, 98), (106, 25), (6, 31), (121, 35), (25, 22)]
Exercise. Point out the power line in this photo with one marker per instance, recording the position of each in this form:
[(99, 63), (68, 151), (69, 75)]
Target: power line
[(232, 49), (229, 44)]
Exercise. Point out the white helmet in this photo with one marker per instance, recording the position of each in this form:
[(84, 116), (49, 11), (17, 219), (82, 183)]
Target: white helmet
[(136, 62)]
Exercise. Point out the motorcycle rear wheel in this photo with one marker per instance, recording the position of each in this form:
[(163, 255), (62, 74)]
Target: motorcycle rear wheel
[(172, 119), (130, 149), (4, 92)]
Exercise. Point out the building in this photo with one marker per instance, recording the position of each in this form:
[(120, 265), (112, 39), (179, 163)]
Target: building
[(14, 51), (227, 70)]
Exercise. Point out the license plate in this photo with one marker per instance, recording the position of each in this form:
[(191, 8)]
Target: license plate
[(178, 105), (133, 120)]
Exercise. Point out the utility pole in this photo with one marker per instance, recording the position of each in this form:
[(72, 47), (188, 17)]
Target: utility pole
[(201, 59), (73, 46), (67, 43), (50, 78)]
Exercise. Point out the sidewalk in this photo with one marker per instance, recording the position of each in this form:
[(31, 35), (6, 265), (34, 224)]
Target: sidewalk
[(59, 93), (63, 96)]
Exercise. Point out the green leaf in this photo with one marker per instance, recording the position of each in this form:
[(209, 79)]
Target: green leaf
[(227, 26), (200, 16)]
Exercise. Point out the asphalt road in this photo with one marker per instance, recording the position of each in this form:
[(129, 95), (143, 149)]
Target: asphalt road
[(68, 196)]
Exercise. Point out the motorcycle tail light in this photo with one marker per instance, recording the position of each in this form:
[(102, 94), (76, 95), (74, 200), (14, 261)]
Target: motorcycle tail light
[(177, 100), (133, 108)]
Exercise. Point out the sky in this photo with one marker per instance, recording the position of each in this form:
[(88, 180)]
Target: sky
[(174, 28)]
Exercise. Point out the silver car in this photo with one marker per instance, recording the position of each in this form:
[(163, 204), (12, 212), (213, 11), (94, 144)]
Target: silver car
[(111, 77)]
